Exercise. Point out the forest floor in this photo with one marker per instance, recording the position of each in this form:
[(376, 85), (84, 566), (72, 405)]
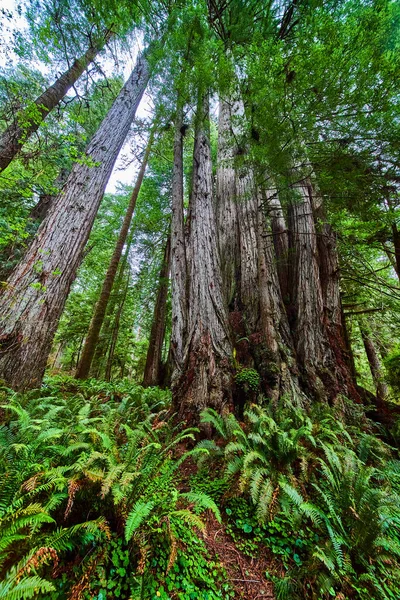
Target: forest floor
[(246, 575)]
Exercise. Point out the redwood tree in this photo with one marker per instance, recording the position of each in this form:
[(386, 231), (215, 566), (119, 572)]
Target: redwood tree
[(205, 378), (34, 297)]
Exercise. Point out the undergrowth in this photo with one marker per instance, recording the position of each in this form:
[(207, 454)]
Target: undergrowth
[(90, 502), (317, 492)]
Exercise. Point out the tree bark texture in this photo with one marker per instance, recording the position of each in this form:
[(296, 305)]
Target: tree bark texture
[(15, 136), (279, 232), (206, 374), (315, 310), (32, 302), (258, 321), (153, 368), (101, 306), (179, 306)]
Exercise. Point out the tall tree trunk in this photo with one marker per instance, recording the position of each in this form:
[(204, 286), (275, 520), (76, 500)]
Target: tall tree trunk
[(226, 203), (206, 376), (178, 256), (115, 332), (316, 306), (307, 324), (329, 272), (257, 316), (153, 368), (92, 337), (375, 364), (396, 243), (15, 136), (107, 330), (32, 302), (279, 232)]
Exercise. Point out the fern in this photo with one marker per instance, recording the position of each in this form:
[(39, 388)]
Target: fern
[(140, 511)]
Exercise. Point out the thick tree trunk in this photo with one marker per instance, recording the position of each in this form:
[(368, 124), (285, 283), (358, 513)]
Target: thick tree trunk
[(316, 307), (307, 317), (153, 369), (15, 136), (329, 272), (281, 240), (32, 302), (226, 205), (206, 376), (375, 364), (258, 320), (101, 306), (178, 256)]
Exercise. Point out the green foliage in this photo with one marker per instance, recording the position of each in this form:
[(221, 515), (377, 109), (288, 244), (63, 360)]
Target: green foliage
[(321, 496), (81, 463), (392, 364)]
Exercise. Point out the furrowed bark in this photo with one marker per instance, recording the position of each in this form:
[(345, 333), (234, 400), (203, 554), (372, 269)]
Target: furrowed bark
[(307, 324), (178, 256), (279, 231), (258, 319), (226, 211), (32, 302), (206, 376), (92, 337), (316, 316), (153, 368), (15, 136), (329, 271)]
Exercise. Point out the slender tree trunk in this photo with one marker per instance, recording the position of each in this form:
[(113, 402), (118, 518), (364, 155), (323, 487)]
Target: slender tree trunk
[(107, 330), (178, 256), (32, 302), (153, 369), (115, 332), (206, 376), (375, 364), (396, 243), (15, 136), (92, 337)]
